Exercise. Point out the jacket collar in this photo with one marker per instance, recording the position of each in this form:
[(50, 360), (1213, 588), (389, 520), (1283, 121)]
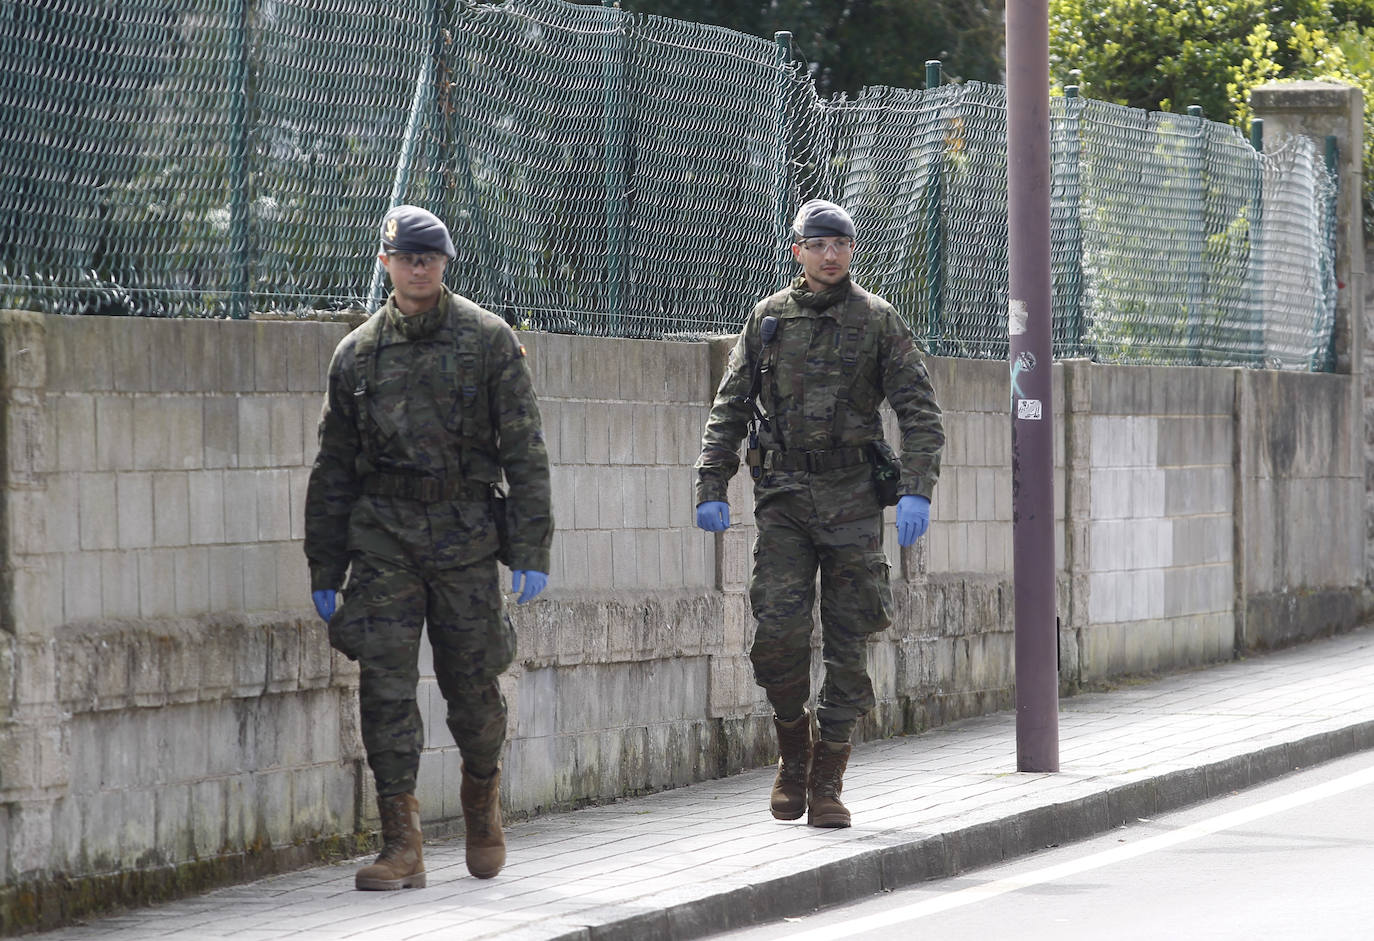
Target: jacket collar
[(418, 326)]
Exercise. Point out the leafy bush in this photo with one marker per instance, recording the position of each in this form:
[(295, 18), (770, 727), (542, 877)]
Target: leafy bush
[(1213, 52)]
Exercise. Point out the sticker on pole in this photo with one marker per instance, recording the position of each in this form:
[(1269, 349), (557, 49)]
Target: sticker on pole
[(1017, 316), (1028, 409)]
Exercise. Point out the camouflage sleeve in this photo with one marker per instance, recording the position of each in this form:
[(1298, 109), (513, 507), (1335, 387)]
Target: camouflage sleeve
[(728, 421), (521, 451), (906, 383), (334, 482)]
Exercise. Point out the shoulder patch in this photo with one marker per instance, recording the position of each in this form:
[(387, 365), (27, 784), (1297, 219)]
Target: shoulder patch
[(521, 348)]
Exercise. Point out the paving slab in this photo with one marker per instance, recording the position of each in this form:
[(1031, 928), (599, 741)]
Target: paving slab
[(708, 858)]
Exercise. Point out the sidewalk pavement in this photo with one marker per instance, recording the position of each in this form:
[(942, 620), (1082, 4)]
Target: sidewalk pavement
[(708, 858)]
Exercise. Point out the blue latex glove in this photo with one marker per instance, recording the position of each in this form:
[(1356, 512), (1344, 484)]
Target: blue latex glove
[(534, 584), (324, 602), (713, 516), (913, 516)]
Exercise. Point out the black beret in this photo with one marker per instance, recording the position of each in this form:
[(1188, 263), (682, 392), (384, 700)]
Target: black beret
[(412, 229), (820, 218)]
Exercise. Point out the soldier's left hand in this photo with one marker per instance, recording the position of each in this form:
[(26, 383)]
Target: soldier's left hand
[(324, 600), (534, 584), (913, 516)]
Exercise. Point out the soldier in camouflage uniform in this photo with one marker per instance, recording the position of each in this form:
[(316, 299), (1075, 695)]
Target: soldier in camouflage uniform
[(429, 402), (818, 358)]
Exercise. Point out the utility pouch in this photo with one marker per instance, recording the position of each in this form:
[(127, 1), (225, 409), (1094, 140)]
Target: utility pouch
[(344, 634), (887, 472), (498, 516), (753, 456)]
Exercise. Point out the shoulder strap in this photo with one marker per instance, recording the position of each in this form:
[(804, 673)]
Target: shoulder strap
[(470, 351), (468, 339), (765, 360), (365, 365)]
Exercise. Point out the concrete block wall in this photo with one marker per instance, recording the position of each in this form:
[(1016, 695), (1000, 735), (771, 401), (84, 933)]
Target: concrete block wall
[(177, 462), (174, 712), (623, 417), (1301, 476), (1366, 394), (733, 691), (160, 664), (971, 508), (1158, 580), (1286, 597), (631, 612), (950, 653)]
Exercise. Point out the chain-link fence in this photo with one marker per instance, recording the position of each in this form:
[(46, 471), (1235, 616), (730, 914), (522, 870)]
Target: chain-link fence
[(610, 173)]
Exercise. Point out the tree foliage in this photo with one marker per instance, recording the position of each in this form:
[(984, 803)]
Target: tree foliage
[(852, 43), (1208, 52), (1166, 56)]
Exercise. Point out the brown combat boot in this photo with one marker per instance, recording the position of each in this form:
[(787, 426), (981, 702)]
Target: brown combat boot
[(486, 844), (828, 761), (401, 864), (788, 800)]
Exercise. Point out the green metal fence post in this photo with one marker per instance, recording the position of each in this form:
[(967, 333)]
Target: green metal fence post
[(419, 111), (1257, 243), (238, 164), (614, 131), (456, 135), (935, 234), (783, 136), (1324, 358), (1073, 201), (1198, 237), (434, 193)]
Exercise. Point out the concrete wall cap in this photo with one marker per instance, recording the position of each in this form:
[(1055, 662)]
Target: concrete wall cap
[(1301, 95)]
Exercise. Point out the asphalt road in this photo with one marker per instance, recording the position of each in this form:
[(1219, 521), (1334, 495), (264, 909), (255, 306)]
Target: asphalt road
[(1291, 859)]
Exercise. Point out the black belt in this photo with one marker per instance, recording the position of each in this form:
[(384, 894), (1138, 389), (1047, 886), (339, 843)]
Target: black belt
[(814, 461), (425, 489)]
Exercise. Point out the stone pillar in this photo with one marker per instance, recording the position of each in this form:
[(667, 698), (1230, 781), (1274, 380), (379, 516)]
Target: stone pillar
[(33, 764), (1075, 425), (1316, 110)]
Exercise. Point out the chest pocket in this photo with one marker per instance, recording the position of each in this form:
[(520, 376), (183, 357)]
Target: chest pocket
[(445, 377), (861, 393), (459, 396), (387, 402)]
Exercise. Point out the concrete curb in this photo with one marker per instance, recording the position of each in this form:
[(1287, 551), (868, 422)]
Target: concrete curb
[(941, 855)]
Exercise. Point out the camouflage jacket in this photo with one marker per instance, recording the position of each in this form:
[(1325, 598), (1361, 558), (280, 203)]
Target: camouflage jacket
[(824, 374), (444, 396)]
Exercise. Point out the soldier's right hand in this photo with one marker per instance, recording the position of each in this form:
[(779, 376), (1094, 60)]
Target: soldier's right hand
[(324, 602), (713, 516)]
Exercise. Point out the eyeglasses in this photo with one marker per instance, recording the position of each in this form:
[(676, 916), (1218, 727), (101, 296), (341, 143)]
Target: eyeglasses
[(416, 259), (826, 246)]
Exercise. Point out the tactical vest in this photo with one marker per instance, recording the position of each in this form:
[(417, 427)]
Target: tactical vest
[(466, 370), (857, 343)]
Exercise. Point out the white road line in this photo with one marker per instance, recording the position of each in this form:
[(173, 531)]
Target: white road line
[(979, 893)]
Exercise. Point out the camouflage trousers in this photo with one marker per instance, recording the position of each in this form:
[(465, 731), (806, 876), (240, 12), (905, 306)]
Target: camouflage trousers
[(385, 606), (856, 600)]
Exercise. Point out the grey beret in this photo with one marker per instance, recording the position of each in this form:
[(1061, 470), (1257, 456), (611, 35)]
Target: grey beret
[(412, 229), (820, 218)]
